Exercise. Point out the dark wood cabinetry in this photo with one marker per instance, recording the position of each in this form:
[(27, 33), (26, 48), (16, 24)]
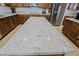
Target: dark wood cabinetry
[(17, 4), (71, 30), (7, 24), (43, 5), (67, 17), (22, 18)]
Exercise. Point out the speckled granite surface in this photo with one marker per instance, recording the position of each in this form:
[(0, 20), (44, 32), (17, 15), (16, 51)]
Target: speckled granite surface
[(37, 36)]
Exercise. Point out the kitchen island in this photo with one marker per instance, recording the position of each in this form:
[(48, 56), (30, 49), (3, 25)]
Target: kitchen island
[(37, 37)]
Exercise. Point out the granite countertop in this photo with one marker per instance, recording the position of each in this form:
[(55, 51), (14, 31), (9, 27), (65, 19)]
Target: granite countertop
[(36, 37), (7, 15), (71, 15), (73, 19), (32, 14)]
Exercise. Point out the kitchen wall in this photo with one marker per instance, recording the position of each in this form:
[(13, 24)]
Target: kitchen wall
[(5, 10), (70, 12)]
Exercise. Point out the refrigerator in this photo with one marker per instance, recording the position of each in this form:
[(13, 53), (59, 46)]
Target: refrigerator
[(57, 14)]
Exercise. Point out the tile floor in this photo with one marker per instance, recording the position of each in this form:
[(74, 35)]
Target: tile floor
[(58, 28)]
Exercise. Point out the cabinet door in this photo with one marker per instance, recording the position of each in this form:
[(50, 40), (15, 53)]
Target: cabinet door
[(43, 5), (23, 18), (14, 21), (68, 29), (6, 25), (75, 30), (3, 27), (67, 25)]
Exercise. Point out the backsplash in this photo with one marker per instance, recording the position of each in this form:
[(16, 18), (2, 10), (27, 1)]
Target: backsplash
[(5, 10), (32, 10), (71, 12)]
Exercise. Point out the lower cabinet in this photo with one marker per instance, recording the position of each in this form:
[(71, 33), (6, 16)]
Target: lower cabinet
[(71, 30), (3, 27), (7, 24), (22, 18)]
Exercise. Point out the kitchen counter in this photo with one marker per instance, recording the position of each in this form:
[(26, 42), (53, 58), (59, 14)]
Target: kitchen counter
[(73, 19), (36, 37), (32, 14), (7, 15), (71, 15)]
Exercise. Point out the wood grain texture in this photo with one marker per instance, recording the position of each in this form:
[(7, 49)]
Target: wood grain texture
[(7, 24), (71, 30), (17, 4), (43, 5)]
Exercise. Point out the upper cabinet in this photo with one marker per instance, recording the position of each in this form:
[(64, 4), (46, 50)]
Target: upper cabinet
[(43, 5), (11, 4), (22, 4), (17, 4)]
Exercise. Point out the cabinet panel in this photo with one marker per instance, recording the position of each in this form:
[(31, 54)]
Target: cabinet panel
[(43, 5), (22, 18), (7, 24), (3, 27), (71, 30), (68, 25)]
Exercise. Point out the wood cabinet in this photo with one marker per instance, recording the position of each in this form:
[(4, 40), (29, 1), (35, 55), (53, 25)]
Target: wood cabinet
[(22, 4), (22, 18), (66, 19), (71, 30), (7, 24), (17, 4), (43, 5)]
